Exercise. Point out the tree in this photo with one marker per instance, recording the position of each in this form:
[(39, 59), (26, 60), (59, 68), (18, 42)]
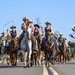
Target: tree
[(56, 34), (72, 35), (38, 20)]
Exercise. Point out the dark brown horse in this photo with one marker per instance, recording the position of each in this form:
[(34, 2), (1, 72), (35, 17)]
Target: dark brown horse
[(50, 50)]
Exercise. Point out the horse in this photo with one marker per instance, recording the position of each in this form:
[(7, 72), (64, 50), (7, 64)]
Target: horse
[(3, 50), (37, 53), (26, 47), (41, 52), (11, 52), (62, 52), (68, 54), (50, 50)]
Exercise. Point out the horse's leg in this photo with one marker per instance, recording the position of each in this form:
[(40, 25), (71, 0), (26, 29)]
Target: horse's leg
[(60, 58), (54, 54), (46, 58), (7, 58), (25, 59), (15, 58), (37, 59), (64, 57), (30, 51), (32, 59), (11, 59)]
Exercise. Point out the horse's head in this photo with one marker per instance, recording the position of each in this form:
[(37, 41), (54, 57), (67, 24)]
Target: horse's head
[(25, 35), (13, 43), (49, 39)]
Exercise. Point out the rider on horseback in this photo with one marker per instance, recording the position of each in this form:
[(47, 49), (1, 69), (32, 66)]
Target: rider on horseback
[(60, 39), (36, 30), (3, 37), (23, 27), (13, 32), (48, 31), (3, 40)]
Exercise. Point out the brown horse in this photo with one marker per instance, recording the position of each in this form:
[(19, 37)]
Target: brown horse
[(62, 53), (36, 53), (40, 52), (12, 53), (50, 50)]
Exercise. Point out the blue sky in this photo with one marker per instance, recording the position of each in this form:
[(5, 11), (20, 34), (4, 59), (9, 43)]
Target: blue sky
[(61, 13)]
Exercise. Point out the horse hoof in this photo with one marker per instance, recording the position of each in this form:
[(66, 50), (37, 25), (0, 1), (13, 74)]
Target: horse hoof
[(8, 63), (15, 64), (24, 66)]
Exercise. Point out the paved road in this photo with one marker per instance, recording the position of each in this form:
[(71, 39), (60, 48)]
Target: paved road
[(65, 69), (19, 70)]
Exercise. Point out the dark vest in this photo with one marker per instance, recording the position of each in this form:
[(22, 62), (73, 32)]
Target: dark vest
[(13, 34), (36, 32), (47, 30)]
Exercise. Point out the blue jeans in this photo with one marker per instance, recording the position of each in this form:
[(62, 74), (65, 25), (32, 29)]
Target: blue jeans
[(55, 41)]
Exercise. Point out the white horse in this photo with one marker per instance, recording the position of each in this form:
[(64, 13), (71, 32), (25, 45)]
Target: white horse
[(26, 47), (29, 43)]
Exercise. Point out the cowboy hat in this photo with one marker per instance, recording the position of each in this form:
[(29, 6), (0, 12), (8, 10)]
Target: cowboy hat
[(30, 21), (24, 19), (36, 25), (2, 33), (13, 26), (61, 34), (47, 23)]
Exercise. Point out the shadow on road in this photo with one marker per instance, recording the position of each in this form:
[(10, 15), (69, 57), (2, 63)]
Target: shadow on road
[(11, 66), (7, 66)]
